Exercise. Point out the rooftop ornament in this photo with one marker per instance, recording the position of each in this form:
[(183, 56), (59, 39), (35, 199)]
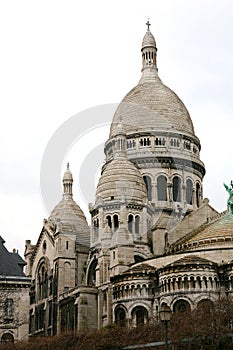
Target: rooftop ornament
[(230, 199)]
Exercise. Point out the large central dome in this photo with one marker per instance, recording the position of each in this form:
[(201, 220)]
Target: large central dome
[(151, 106)]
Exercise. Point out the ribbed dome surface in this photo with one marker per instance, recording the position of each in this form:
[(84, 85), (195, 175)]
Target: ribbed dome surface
[(121, 180), (68, 212), (152, 106)]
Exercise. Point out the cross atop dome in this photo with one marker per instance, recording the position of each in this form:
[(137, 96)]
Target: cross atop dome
[(148, 25)]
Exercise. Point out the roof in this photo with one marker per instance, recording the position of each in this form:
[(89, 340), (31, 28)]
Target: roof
[(191, 260), (11, 264), (220, 228), (67, 211)]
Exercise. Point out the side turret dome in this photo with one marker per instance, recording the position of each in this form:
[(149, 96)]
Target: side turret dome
[(121, 180), (67, 211)]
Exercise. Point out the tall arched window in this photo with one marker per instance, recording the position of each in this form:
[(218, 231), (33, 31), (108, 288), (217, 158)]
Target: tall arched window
[(198, 195), (42, 282), (115, 222), (109, 220), (139, 316), (147, 181), (91, 278), (67, 275), (130, 223), (137, 224), (162, 188), (176, 189), (189, 192), (120, 316)]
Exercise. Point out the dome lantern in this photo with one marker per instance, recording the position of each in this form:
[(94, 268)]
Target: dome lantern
[(67, 183), (149, 50)]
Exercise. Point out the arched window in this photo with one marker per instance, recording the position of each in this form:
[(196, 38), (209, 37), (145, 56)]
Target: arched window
[(91, 279), (176, 188), (130, 223), (162, 188), (147, 181), (120, 316), (206, 305), (42, 282), (139, 316), (189, 192), (137, 224), (115, 222), (55, 279), (7, 338), (109, 221), (181, 306), (67, 275), (198, 195)]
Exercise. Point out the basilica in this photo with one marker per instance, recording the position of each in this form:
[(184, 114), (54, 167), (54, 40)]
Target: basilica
[(153, 239)]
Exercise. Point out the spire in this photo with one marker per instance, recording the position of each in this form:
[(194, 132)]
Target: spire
[(149, 50), (67, 183)]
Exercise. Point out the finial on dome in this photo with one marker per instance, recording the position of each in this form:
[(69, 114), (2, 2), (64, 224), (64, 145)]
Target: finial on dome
[(67, 182), (148, 25)]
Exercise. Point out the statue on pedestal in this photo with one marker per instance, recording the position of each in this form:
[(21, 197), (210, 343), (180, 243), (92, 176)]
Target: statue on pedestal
[(230, 199)]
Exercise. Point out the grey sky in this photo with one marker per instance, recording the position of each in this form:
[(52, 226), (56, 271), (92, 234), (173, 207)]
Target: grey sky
[(59, 58)]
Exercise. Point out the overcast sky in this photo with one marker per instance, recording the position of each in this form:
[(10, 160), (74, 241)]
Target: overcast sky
[(59, 58)]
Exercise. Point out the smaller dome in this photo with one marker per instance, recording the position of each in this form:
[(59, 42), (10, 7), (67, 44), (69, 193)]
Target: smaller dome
[(121, 180), (68, 212), (148, 40)]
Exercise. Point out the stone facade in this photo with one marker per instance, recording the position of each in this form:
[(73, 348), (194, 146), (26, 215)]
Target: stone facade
[(153, 240), (14, 297)]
